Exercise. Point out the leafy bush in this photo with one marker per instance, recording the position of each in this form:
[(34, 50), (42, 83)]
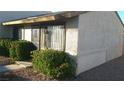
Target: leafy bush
[(2, 51), (54, 64), (12, 53), (5, 43), (20, 50)]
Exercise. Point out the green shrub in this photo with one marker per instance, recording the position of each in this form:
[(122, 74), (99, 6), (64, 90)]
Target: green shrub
[(2, 51), (20, 50), (54, 64), (5, 43), (12, 53)]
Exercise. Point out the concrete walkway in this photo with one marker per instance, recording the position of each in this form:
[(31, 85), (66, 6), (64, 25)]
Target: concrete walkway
[(16, 66)]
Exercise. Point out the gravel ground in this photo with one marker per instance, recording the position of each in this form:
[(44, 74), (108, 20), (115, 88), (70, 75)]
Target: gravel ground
[(109, 71), (25, 74)]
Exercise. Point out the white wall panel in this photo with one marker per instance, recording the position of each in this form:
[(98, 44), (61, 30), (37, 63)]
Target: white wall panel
[(72, 36), (100, 39)]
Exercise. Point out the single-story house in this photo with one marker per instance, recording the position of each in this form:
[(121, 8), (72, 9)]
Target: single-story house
[(94, 37)]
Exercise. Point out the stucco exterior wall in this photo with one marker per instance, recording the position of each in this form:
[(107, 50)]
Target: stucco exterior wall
[(100, 39), (72, 36)]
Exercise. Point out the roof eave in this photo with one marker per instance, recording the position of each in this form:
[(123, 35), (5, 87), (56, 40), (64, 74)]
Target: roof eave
[(27, 21), (44, 18)]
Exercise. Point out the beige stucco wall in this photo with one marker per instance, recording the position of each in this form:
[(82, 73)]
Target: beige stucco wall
[(72, 36), (100, 39)]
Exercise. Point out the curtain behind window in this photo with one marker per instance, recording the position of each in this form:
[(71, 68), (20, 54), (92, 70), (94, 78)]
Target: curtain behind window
[(56, 37)]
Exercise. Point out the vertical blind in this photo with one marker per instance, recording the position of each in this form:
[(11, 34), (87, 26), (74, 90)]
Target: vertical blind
[(53, 37), (21, 32), (35, 36), (42, 38), (56, 37), (46, 37)]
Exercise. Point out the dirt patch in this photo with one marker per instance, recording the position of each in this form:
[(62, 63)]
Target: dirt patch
[(25, 74), (6, 61)]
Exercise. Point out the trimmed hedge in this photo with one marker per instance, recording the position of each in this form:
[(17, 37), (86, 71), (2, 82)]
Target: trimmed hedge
[(5, 44), (2, 51), (20, 50), (53, 64)]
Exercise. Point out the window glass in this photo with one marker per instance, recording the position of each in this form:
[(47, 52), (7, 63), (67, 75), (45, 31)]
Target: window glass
[(56, 37), (35, 36)]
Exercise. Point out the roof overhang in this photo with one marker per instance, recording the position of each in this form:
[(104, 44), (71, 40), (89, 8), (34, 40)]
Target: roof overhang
[(44, 18)]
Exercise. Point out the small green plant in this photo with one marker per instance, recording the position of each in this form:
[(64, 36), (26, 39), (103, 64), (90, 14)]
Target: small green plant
[(54, 64)]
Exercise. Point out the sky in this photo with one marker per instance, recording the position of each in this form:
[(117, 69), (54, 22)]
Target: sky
[(121, 14)]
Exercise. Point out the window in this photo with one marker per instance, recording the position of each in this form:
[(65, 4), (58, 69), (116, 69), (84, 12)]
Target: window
[(53, 37), (45, 37), (21, 32), (35, 36), (56, 37), (42, 38)]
